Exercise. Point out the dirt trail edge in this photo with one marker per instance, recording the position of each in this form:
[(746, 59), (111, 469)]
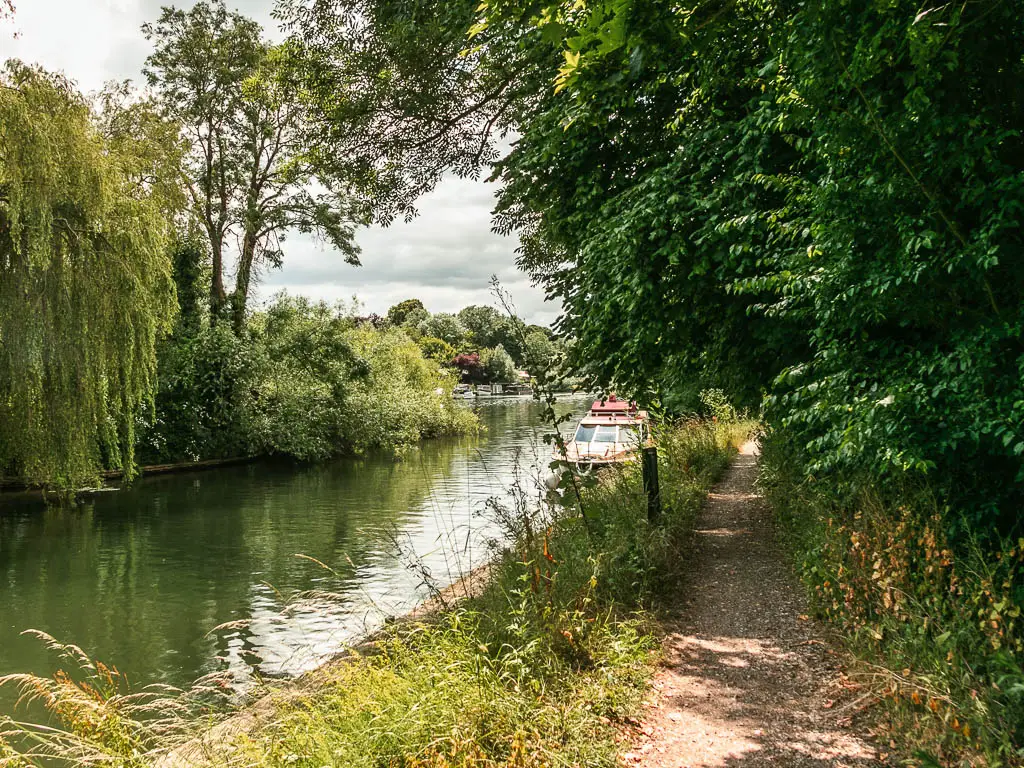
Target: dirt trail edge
[(747, 680)]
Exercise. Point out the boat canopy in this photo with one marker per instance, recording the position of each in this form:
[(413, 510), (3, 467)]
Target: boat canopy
[(613, 409)]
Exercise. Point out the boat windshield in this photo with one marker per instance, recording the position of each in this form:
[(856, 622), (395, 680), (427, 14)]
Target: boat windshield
[(630, 434), (591, 433), (585, 433)]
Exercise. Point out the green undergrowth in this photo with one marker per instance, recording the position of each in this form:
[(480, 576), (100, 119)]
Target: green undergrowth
[(539, 669), (306, 381), (934, 620)]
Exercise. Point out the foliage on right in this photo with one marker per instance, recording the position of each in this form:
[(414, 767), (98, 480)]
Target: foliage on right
[(818, 205), (814, 207), (826, 209)]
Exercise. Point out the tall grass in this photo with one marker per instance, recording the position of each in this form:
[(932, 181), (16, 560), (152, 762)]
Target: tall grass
[(936, 624), (540, 668), (97, 718)]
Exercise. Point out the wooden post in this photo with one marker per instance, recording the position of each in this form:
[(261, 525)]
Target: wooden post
[(651, 488)]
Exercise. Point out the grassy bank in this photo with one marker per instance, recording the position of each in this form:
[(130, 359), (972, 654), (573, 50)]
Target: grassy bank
[(934, 619), (541, 668)]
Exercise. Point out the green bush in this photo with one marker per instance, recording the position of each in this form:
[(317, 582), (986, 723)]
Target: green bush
[(205, 406), (401, 399), (498, 366), (438, 350), (304, 382), (308, 366)]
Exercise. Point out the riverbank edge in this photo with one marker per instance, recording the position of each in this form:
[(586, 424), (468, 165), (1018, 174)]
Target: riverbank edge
[(199, 751), (10, 487), (205, 749)]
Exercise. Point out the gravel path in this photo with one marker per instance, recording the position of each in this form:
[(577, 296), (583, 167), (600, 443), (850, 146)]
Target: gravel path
[(748, 680)]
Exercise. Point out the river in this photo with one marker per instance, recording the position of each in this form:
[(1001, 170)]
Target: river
[(140, 576)]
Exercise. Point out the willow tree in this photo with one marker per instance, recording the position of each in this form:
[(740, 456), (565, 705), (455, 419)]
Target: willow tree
[(85, 286)]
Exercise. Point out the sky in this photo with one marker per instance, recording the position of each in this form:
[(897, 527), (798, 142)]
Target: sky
[(445, 257)]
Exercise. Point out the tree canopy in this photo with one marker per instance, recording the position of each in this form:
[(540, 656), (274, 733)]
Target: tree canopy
[(249, 172), (447, 327), (394, 88), (398, 314), (813, 204), (487, 327), (498, 364), (824, 209)]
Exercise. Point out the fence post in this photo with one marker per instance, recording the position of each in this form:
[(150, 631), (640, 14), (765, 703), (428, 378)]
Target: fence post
[(651, 487)]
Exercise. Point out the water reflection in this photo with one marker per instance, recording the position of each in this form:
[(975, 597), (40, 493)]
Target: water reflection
[(140, 577)]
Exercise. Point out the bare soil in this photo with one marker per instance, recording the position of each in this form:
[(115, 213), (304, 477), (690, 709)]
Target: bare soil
[(748, 679)]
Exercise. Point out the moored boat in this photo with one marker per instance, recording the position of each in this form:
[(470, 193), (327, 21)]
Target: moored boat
[(612, 432)]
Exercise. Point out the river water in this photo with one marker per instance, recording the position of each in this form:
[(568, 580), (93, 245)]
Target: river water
[(139, 577)]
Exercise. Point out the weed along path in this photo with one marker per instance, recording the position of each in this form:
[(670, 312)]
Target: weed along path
[(747, 680)]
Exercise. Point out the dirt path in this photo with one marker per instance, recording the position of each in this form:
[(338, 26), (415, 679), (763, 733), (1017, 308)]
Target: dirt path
[(747, 679)]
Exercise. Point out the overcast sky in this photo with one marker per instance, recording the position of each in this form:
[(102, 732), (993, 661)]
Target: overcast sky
[(445, 257)]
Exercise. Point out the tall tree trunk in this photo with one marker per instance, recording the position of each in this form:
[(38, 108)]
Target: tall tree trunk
[(218, 299), (241, 295)]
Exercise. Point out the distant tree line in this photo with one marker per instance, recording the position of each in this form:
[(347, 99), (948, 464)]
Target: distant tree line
[(479, 342)]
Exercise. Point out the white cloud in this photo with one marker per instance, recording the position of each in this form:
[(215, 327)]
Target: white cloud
[(445, 257), (93, 41)]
